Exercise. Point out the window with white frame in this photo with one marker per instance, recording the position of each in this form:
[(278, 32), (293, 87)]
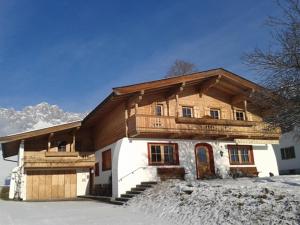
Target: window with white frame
[(215, 113), (187, 111), (159, 110), (239, 115)]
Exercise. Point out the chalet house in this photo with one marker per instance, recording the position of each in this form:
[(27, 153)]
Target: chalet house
[(195, 126)]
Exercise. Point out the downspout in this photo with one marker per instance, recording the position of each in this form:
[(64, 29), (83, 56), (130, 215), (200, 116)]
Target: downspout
[(9, 160), (5, 159)]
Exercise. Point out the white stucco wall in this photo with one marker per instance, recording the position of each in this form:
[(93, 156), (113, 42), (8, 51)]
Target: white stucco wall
[(104, 176), (17, 187), (83, 176), (287, 140), (130, 161)]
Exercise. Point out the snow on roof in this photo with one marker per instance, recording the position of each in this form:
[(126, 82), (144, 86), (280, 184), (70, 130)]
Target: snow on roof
[(40, 131)]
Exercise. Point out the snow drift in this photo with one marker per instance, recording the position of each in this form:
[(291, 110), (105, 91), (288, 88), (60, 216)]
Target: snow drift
[(228, 201)]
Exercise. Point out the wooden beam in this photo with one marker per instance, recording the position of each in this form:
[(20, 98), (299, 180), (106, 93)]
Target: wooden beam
[(168, 107), (245, 109), (126, 118), (135, 99), (206, 85), (241, 97), (175, 91), (74, 139), (177, 105)]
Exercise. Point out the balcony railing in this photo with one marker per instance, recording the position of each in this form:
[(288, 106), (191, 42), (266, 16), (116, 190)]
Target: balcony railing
[(58, 159), (142, 124)]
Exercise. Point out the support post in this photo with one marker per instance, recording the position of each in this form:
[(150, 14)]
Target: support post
[(49, 141), (136, 108), (177, 105), (245, 109), (168, 107), (73, 141), (126, 119)]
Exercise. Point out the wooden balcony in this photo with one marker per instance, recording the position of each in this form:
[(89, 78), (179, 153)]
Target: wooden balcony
[(58, 159), (172, 127)]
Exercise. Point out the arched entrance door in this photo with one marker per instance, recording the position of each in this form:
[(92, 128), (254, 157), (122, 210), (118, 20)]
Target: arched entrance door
[(204, 160)]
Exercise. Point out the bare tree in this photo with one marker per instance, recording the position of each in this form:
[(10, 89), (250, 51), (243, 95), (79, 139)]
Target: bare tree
[(180, 67), (279, 67)]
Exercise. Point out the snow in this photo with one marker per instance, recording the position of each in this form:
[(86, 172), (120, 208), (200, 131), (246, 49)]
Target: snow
[(273, 200), (72, 213), (34, 117)]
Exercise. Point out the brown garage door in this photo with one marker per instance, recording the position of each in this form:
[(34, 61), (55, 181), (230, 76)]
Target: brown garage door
[(51, 185)]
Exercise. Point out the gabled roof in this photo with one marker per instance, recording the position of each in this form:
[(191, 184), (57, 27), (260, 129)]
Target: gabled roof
[(197, 76), (228, 80), (39, 132)]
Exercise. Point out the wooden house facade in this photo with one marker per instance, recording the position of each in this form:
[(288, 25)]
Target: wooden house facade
[(195, 126)]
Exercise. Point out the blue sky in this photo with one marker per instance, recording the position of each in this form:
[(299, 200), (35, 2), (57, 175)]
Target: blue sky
[(71, 53)]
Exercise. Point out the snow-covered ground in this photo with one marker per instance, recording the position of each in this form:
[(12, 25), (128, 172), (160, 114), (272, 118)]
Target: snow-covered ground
[(244, 201), (72, 213), (274, 200)]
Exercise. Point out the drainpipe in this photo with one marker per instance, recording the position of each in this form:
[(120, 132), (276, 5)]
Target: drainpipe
[(21, 154), (16, 190)]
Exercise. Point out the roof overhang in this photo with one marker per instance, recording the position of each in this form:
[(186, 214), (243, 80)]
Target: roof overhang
[(221, 78), (10, 143)]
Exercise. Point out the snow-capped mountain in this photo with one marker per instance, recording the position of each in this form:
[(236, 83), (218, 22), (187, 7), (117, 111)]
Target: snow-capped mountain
[(34, 117)]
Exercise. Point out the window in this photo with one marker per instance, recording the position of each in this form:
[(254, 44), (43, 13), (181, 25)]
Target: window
[(106, 160), (215, 113), (159, 110), (97, 170), (62, 146), (239, 115), (288, 153), (202, 155), (187, 111), (240, 154), (163, 154)]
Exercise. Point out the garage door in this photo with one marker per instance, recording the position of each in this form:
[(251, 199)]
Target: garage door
[(51, 185)]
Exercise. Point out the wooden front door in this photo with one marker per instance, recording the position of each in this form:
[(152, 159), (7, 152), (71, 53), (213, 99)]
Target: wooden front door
[(51, 184), (204, 160)]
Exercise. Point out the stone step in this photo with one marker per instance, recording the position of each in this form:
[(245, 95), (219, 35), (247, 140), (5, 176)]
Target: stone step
[(133, 192), (138, 189), (122, 199), (128, 195), (149, 183), (97, 198), (144, 186)]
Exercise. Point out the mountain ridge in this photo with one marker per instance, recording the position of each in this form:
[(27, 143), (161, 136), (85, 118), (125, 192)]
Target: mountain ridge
[(34, 117)]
